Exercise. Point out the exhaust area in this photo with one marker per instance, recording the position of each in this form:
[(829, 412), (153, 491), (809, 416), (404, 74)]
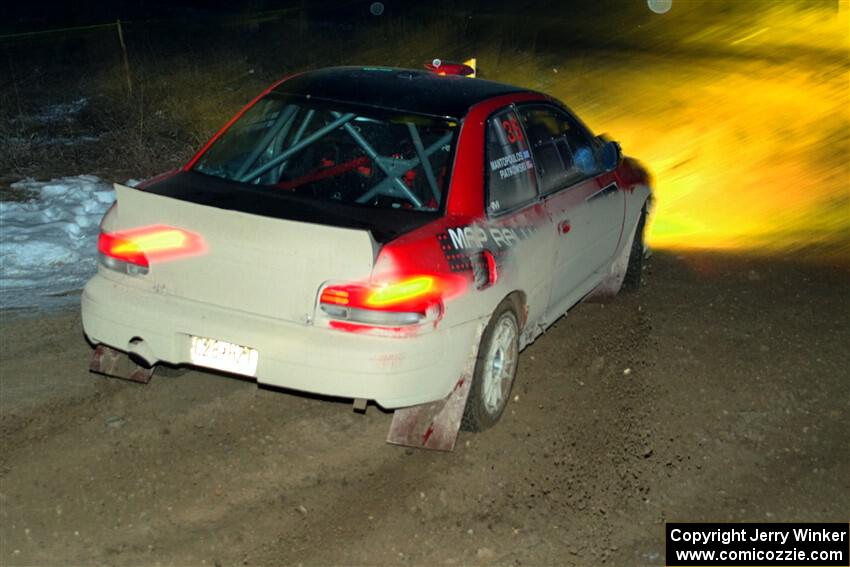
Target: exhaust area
[(140, 353)]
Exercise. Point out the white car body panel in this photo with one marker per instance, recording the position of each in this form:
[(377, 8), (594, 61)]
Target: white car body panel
[(249, 258), (296, 350), (227, 294)]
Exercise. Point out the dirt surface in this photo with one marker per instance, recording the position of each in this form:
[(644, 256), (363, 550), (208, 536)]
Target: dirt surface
[(719, 392)]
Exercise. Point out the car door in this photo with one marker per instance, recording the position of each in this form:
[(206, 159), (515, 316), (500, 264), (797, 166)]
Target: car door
[(606, 205), (564, 156), (518, 229)]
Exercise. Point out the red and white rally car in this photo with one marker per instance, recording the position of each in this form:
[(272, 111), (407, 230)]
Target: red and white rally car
[(370, 233)]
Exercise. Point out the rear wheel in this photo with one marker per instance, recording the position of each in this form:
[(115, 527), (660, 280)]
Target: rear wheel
[(631, 281), (495, 370)]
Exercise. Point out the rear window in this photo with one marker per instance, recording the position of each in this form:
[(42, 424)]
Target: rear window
[(326, 152)]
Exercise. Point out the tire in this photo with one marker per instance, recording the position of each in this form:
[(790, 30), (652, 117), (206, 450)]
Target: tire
[(631, 281), (495, 370)]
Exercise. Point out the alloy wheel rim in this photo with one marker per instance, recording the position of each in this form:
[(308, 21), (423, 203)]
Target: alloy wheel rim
[(500, 365)]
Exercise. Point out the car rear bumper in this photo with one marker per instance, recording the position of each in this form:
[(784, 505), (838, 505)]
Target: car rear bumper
[(393, 371)]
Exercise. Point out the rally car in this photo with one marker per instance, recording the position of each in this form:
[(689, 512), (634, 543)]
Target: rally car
[(377, 234)]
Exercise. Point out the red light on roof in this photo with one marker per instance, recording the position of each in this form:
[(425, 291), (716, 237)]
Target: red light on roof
[(440, 67)]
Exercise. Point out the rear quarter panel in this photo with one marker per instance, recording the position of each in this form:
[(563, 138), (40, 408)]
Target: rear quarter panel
[(453, 245)]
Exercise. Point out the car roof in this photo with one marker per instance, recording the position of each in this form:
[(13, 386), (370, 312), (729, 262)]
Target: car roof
[(404, 90)]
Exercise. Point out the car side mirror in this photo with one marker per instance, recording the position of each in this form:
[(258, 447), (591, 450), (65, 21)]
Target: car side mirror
[(610, 155)]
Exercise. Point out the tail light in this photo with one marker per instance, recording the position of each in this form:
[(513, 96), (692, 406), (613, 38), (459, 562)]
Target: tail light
[(130, 251), (409, 301), (121, 254)]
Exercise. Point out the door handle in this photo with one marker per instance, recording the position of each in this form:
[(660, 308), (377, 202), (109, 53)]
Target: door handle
[(564, 227)]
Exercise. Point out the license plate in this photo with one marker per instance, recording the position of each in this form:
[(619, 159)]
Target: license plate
[(222, 355)]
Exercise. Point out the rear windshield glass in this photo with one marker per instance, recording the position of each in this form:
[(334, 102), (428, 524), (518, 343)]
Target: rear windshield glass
[(325, 152)]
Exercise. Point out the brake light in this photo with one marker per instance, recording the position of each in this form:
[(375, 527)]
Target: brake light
[(409, 301), (131, 251), (155, 241), (335, 296), (401, 292), (121, 254)]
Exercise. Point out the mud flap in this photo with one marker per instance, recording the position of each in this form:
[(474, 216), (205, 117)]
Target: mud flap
[(436, 425), (117, 364), (431, 426)]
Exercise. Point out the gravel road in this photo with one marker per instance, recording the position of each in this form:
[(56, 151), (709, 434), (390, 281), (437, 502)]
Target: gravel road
[(719, 392)]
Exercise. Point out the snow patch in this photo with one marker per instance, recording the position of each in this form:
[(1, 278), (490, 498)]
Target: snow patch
[(48, 245)]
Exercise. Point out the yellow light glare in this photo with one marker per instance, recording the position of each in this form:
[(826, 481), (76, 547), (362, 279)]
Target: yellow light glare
[(401, 291), (748, 142), (153, 242)]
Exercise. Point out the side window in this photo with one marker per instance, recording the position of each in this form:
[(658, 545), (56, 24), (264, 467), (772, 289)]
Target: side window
[(562, 150), (511, 180)]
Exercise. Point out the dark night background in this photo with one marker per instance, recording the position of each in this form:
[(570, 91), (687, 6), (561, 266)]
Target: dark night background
[(674, 87)]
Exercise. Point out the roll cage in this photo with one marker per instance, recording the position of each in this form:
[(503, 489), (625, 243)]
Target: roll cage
[(311, 146)]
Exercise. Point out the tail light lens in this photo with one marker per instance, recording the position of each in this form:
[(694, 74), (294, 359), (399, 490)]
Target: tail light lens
[(409, 301), (121, 254), (130, 251)]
